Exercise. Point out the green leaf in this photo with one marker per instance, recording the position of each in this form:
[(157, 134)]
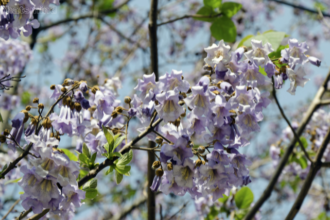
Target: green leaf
[(116, 154), (85, 150), (13, 181), (108, 136), (302, 161), (82, 173), (304, 142), (230, 8), (277, 54), (119, 177), (70, 155), (224, 29), (262, 71), (206, 11), (122, 169), (93, 158), (272, 37), (92, 184), (212, 3), (108, 171), (84, 159), (223, 199), (244, 39), (125, 159), (25, 98), (91, 193), (118, 141), (244, 198)]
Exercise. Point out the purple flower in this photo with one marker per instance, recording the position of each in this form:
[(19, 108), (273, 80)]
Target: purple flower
[(148, 83), (156, 183), (199, 100), (217, 53), (176, 152), (248, 119), (17, 131), (174, 80), (295, 54), (296, 78), (184, 174), (259, 53), (220, 110), (168, 108)]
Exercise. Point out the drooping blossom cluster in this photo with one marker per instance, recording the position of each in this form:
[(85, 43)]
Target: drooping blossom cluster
[(14, 56), (17, 16), (204, 125)]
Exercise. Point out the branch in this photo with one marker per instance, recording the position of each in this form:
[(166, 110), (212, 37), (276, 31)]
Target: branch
[(124, 212), (268, 191), (324, 102), (189, 16), (288, 122), (151, 200), (300, 7), (309, 179), (39, 216), (89, 15), (11, 209), (13, 164)]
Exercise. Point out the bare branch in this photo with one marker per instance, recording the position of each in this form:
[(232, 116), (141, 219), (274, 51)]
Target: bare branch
[(189, 16), (11, 209)]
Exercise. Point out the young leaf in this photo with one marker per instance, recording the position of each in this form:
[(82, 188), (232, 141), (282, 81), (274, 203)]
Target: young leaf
[(224, 29), (262, 71), (122, 169), (92, 184), (91, 193), (118, 141), (13, 181), (273, 37), (108, 171), (83, 158), (125, 159), (107, 148), (70, 155), (116, 154), (243, 40), (109, 137), (85, 150), (119, 178), (206, 11), (244, 198), (93, 158), (230, 8), (212, 3)]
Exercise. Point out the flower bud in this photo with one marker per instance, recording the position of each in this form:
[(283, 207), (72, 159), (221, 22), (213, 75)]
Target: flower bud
[(119, 109), (77, 106), (68, 82), (216, 92), (114, 114), (198, 162), (155, 164), (127, 100), (116, 131), (159, 140), (46, 123), (169, 166), (28, 108), (35, 100), (6, 132), (51, 135), (93, 108), (52, 87), (26, 114), (94, 89), (189, 91), (201, 149), (159, 172), (41, 106), (63, 90), (181, 102), (105, 81), (183, 114), (2, 138)]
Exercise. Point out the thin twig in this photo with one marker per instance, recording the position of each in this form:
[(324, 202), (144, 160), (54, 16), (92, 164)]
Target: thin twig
[(270, 187), (39, 216), (184, 205), (189, 16), (162, 137), (315, 167), (288, 122), (24, 214), (11, 209), (299, 7)]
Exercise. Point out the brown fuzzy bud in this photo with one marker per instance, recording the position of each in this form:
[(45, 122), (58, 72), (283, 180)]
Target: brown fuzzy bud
[(26, 114), (219, 84), (51, 135), (114, 114), (2, 138), (77, 106), (93, 108), (155, 164), (159, 140), (169, 166), (41, 106), (63, 90), (94, 89), (35, 100), (6, 132), (156, 102), (46, 123), (52, 87), (119, 109), (159, 172), (28, 108), (177, 122), (201, 149), (4, 2), (34, 120), (105, 81), (127, 100), (68, 82), (184, 95), (245, 48), (183, 114), (116, 131), (216, 92), (87, 92), (198, 162), (181, 102), (189, 91)]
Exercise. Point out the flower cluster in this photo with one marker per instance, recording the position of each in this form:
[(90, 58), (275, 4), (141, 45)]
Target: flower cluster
[(202, 126), (17, 16)]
